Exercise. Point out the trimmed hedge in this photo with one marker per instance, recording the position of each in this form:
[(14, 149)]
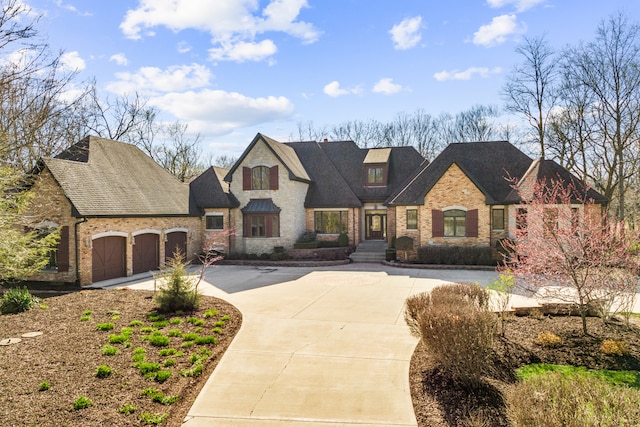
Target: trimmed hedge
[(455, 255), (307, 245)]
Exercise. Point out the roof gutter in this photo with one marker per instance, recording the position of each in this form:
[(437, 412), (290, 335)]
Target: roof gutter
[(75, 233)]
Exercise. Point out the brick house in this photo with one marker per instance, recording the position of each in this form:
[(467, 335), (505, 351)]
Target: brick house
[(120, 213)]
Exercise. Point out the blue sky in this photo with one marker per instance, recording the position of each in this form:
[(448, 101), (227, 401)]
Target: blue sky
[(232, 68)]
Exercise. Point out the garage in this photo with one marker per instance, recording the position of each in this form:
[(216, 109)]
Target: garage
[(176, 240), (108, 258), (146, 253)]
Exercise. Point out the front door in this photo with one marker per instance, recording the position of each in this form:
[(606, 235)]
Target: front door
[(376, 226)]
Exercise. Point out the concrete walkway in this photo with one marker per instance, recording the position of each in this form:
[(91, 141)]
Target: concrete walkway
[(325, 348)]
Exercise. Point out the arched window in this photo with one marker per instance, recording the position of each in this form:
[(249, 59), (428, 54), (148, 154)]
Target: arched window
[(455, 223), (260, 178)]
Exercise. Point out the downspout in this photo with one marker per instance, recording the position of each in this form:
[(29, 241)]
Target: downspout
[(75, 233)]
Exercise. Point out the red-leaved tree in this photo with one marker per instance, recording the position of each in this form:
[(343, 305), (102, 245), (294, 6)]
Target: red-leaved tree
[(566, 247)]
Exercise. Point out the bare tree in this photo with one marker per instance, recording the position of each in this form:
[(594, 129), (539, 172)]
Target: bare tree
[(529, 90), (609, 69), (475, 124)]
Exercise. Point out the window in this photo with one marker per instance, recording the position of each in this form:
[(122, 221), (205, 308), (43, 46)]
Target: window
[(375, 175), (262, 225), (331, 222), (497, 220), (455, 223), (260, 178), (214, 222), (412, 219)]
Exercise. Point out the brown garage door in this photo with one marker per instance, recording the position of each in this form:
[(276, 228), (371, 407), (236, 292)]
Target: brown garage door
[(146, 253), (108, 259), (176, 240)]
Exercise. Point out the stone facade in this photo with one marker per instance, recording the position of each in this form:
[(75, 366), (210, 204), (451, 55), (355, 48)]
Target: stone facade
[(289, 197), (222, 239)]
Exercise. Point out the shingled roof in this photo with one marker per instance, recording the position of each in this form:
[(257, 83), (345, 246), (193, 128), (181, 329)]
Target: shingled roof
[(209, 190), (286, 155), (487, 164), (101, 177), (544, 170)]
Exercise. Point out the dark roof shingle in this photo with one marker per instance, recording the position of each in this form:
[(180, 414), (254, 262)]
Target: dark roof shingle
[(209, 190)]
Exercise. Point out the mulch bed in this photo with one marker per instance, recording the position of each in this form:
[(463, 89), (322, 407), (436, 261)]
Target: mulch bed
[(441, 401), (69, 351)]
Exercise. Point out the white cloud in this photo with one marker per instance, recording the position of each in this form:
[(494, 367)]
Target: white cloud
[(219, 112), (119, 58), (71, 8), (467, 74), (520, 5), (406, 34), (386, 86), (243, 51), (334, 90), (229, 22), (498, 30), (153, 80), (183, 47), (71, 61)]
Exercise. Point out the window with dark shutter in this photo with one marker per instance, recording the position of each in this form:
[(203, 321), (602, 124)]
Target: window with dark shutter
[(437, 223), (246, 178), (62, 251), (273, 178), (472, 223)]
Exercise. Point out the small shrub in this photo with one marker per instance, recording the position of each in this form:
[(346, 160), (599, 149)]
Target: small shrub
[(127, 409), (154, 316), (169, 362), (343, 240), (175, 321), (135, 323), (108, 350), (105, 326), (82, 402), (209, 339), (44, 386), (154, 419), (43, 306), (17, 300), (194, 371), (177, 290), (159, 397), (548, 339), (189, 337), (225, 317), (278, 249), (159, 340), (146, 330), (307, 236), (219, 324), (188, 344), (85, 318), (118, 339), (210, 313), (265, 256), (456, 327), (162, 376), (195, 321), (455, 255), (161, 324), (147, 367), (139, 350), (618, 348), (216, 330), (174, 333), (87, 313), (198, 330), (103, 371), (116, 317), (167, 352)]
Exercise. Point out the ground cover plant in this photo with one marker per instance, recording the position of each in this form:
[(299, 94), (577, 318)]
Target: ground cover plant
[(79, 374), (543, 371)]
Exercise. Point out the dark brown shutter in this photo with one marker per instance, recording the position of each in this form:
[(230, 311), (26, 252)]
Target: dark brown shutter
[(63, 250), (273, 178), (437, 223), (471, 224), (246, 178), (268, 224)]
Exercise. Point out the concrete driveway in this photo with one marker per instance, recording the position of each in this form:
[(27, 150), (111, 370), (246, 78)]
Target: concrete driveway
[(318, 347)]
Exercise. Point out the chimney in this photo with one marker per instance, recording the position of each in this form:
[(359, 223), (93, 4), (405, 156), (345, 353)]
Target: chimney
[(326, 140)]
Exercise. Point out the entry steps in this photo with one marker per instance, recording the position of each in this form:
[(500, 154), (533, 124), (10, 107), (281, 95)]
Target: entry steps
[(371, 251)]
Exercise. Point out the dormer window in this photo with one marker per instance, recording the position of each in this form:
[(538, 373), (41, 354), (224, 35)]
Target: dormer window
[(376, 167), (375, 175)]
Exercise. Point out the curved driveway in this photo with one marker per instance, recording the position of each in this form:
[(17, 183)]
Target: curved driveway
[(317, 347)]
